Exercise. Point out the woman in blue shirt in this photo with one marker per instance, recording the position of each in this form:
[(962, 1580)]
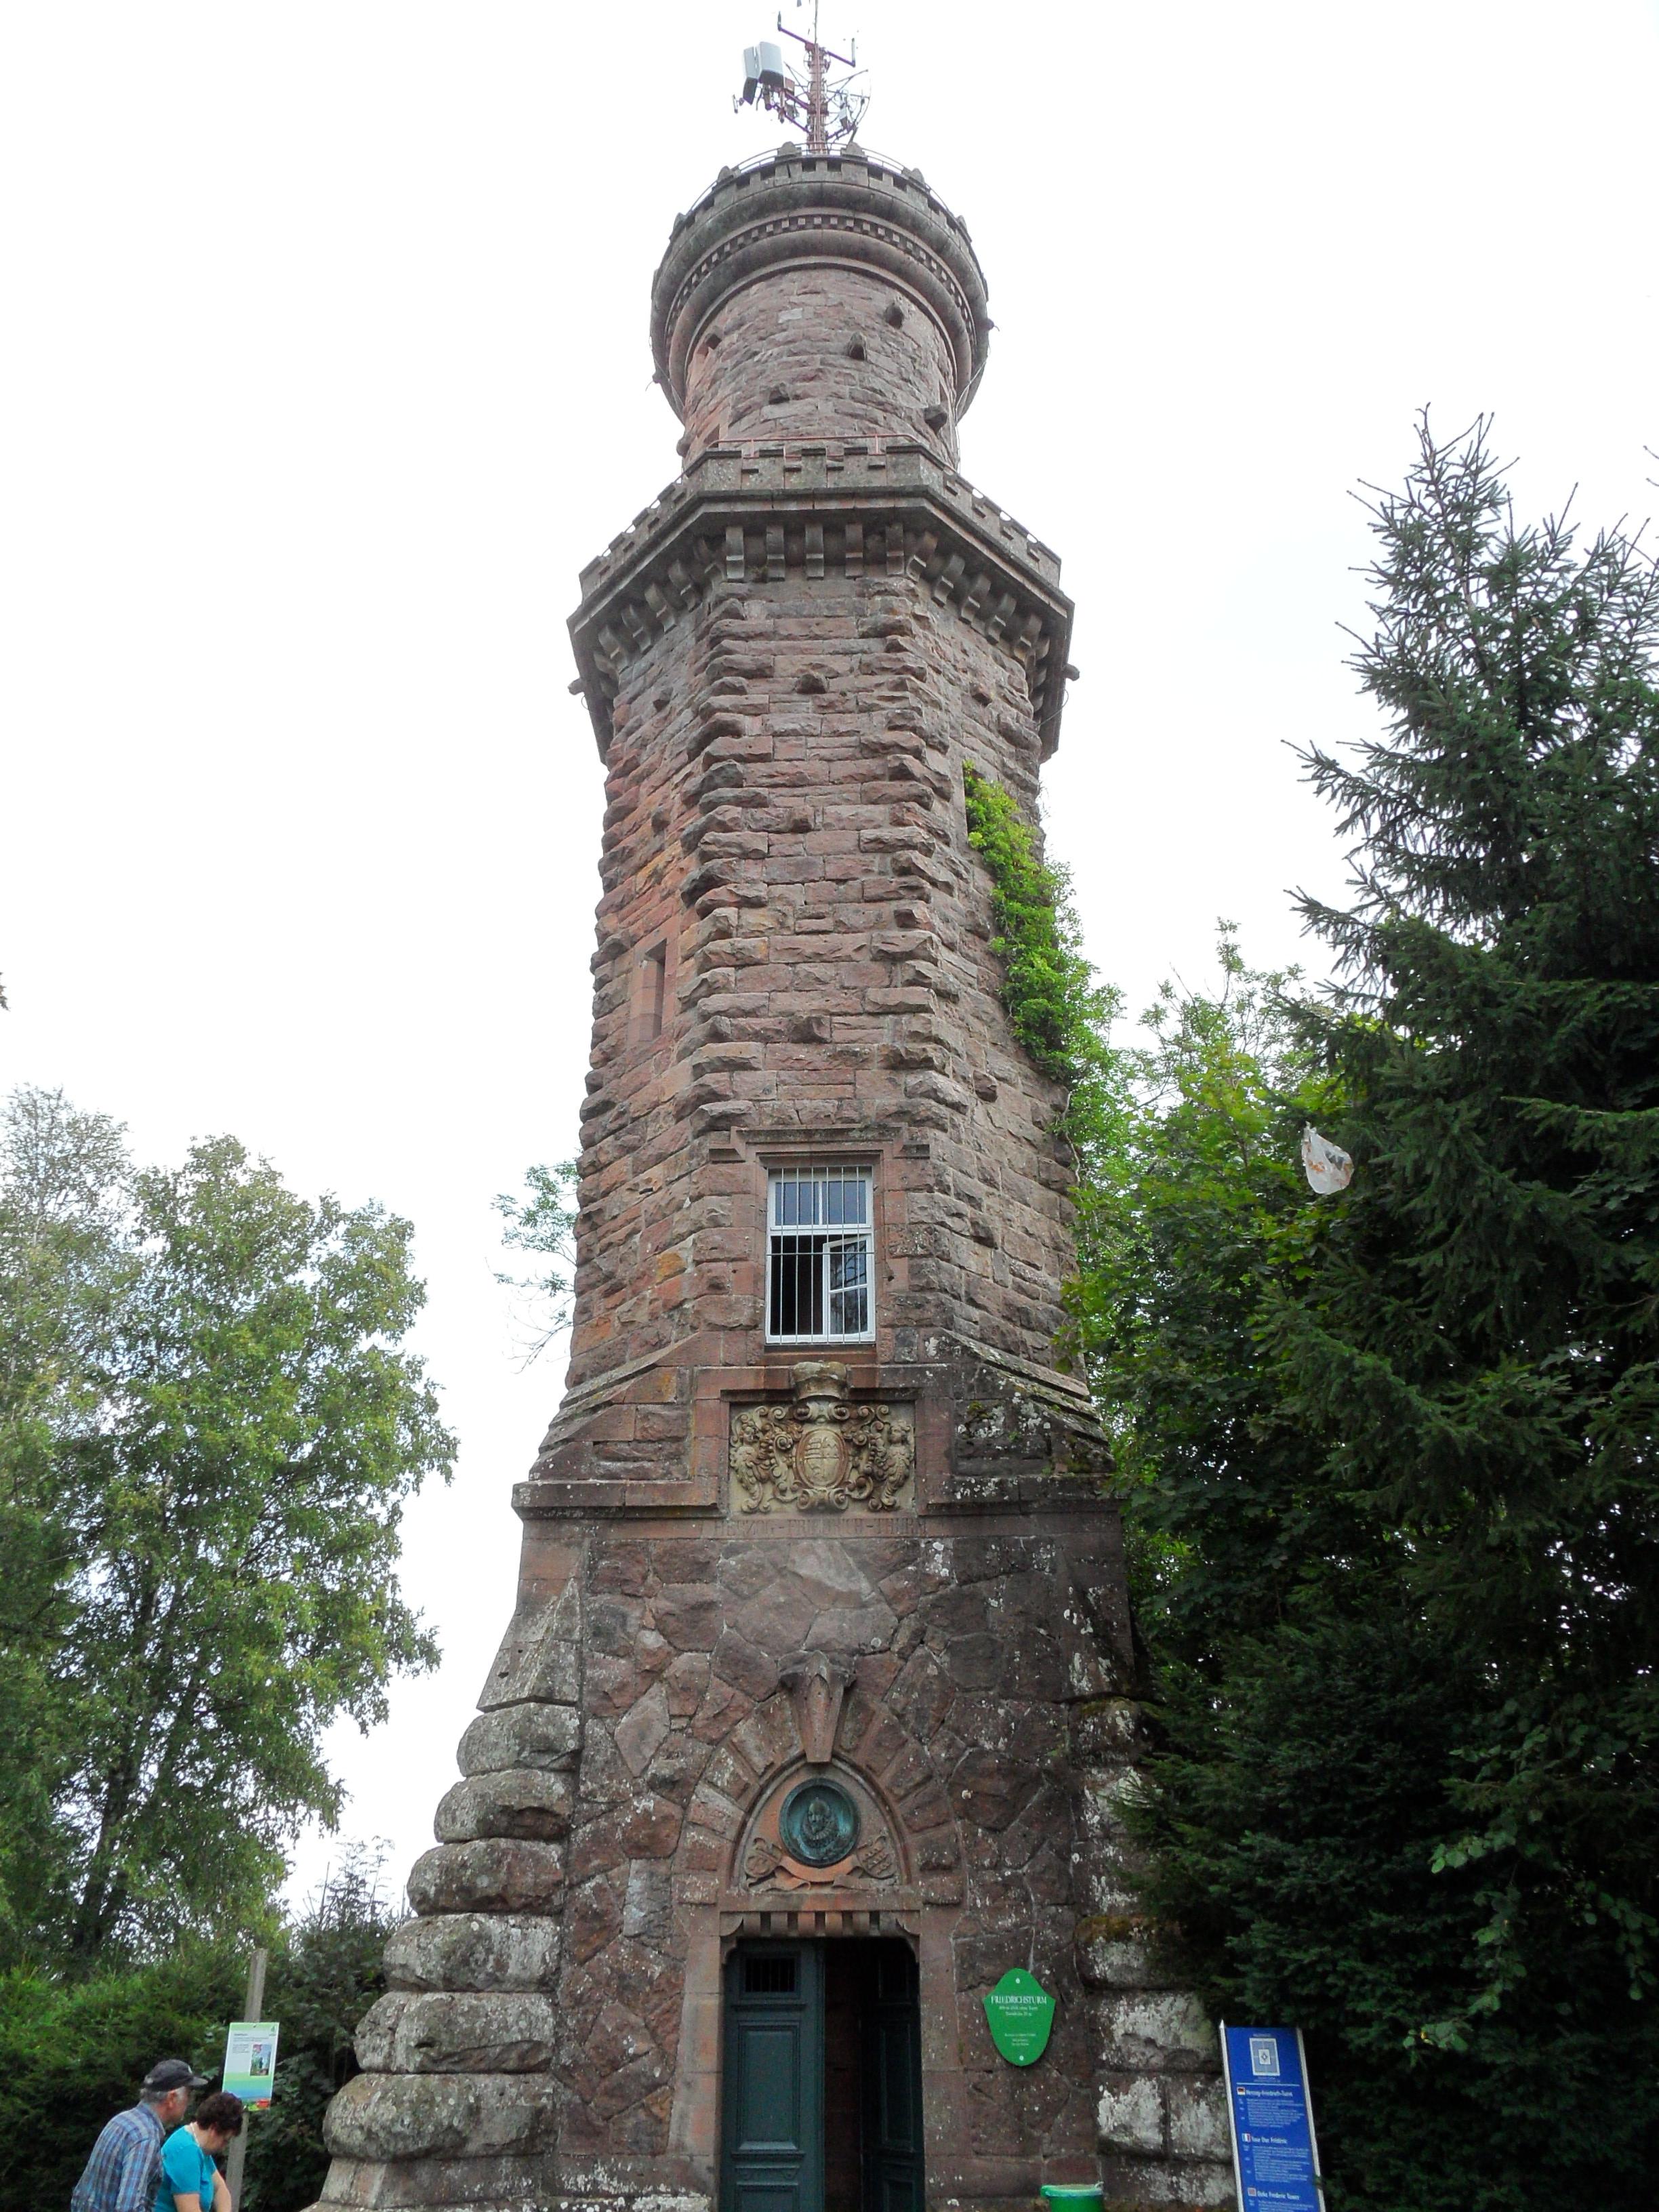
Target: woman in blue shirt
[(191, 2181)]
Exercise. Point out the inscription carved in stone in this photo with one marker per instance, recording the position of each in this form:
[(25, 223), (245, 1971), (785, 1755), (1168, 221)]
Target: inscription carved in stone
[(822, 1453)]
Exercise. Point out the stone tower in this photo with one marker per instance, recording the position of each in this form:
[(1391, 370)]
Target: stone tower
[(813, 1716)]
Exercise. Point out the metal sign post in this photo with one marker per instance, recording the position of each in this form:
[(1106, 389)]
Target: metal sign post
[(237, 2158)]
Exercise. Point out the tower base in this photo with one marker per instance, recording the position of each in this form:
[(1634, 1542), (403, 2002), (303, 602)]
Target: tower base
[(674, 1705)]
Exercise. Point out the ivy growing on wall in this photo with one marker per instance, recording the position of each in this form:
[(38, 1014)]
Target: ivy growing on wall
[(1060, 1011)]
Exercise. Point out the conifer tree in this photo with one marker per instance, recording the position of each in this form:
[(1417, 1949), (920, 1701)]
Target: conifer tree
[(1481, 1344), (1398, 1444)]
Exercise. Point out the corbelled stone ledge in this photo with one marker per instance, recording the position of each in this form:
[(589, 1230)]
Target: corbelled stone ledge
[(809, 512)]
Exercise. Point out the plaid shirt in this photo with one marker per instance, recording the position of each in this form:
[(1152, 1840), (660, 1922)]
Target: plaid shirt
[(125, 2167)]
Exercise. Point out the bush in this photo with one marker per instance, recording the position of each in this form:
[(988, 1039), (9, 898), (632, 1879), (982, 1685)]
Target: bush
[(322, 1981), (73, 2053)]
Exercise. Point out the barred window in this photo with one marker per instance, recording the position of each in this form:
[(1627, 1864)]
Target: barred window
[(819, 1262)]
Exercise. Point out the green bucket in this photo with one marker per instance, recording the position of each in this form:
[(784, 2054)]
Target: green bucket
[(1073, 2196)]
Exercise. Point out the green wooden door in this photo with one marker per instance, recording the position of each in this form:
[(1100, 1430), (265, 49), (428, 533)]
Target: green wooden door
[(892, 2082), (773, 2090)]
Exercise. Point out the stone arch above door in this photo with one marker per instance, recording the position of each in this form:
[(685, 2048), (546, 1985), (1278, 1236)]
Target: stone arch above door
[(822, 1720), (778, 1851)]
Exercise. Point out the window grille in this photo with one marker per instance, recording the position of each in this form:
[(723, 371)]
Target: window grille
[(820, 1264), (769, 1974)]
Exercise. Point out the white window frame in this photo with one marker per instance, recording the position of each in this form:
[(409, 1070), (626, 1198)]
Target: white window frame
[(806, 1251)]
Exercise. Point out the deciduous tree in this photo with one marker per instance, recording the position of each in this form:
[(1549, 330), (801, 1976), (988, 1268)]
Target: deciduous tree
[(209, 1430), (543, 1223)]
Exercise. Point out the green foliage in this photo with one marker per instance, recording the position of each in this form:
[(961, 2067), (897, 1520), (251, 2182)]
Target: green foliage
[(1479, 1352), (206, 1435), (73, 2053), (61, 1273), (1060, 1011), (1184, 1217), (1306, 1786), (544, 1223), (1390, 1454), (325, 1973)]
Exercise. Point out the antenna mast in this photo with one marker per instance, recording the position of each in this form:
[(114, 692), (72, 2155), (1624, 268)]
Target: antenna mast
[(827, 109)]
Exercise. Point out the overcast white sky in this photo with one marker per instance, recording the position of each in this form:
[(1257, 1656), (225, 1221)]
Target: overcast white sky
[(326, 368)]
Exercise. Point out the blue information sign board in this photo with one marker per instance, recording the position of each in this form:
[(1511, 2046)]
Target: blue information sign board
[(1275, 2156)]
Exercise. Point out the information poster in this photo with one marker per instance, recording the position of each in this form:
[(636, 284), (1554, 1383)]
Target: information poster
[(251, 2061), (1275, 2155)]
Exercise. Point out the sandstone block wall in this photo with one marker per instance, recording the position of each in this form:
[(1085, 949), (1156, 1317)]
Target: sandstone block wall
[(820, 352), (786, 835), (781, 266), (552, 2034)]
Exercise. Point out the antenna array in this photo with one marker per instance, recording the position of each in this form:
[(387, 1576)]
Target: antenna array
[(828, 110)]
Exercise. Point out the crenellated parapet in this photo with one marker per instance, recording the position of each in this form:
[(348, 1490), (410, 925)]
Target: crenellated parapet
[(812, 513)]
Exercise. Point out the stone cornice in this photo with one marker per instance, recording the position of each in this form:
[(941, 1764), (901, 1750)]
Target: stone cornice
[(761, 516)]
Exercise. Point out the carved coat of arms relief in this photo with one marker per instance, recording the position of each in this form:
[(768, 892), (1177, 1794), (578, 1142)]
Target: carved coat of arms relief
[(823, 1453)]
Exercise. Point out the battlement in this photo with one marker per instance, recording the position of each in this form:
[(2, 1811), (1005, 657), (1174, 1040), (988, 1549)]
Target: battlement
[(813, 512), (878, 167), (851, 465)]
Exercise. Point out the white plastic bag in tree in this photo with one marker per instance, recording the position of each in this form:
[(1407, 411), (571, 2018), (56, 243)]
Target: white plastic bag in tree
[(1327, 1167)]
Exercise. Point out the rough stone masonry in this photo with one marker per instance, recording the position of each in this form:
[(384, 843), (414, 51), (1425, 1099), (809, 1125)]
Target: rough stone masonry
[(818, 1500)]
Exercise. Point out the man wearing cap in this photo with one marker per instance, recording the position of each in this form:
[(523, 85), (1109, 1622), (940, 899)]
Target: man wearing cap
[(126, 2160)]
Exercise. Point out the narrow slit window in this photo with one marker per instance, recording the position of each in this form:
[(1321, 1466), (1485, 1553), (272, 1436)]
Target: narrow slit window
[(820, 1260), (652, 988)]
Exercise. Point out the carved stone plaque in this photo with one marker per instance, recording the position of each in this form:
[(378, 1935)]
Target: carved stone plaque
[(824, 1832), (822, 1454)]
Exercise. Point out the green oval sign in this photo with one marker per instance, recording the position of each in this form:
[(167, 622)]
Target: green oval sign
[(1019, 2012)]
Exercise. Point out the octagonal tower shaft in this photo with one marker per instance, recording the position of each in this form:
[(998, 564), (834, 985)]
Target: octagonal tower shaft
[(790, 662)]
